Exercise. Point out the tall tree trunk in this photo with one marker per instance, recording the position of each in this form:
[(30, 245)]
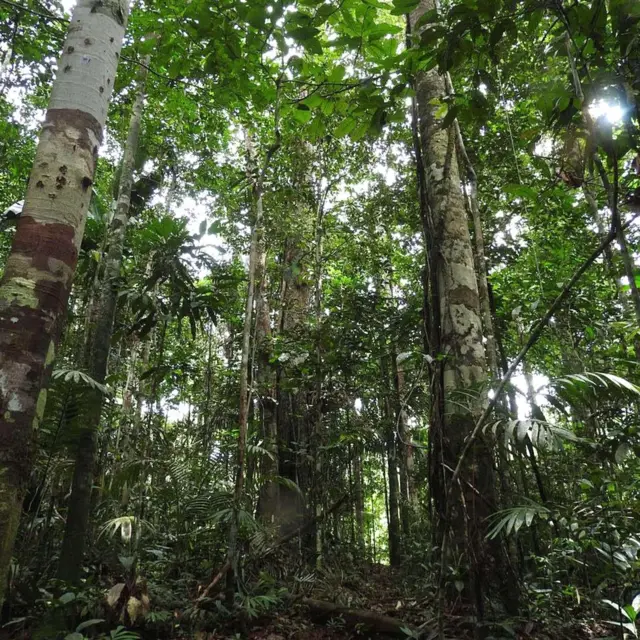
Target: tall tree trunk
[(37, 280), (471, 197), (318, 435), (256, 257), (407, 441), (358, 498), (80, 501), (294, 421), (394, 522), (265, 379), (402, 448), (463, 369), (395, 536)]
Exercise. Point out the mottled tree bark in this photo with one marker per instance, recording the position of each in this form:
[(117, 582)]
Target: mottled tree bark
[(464, 367), (80, 501), (37, 280), (291, 410), (471, 196)]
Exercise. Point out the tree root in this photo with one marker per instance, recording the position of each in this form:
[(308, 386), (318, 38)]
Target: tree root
[(368, 620)]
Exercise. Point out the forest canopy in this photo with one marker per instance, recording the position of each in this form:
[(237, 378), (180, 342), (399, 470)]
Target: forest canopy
[(319, 318)]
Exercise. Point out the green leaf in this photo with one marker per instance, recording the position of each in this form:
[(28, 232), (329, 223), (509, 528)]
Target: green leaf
[(257, 16), (452, 113), (217, 226), (521, 191), (316, 129), (345, 127), (403, 7), (88, 623), (427, 18), (498, 32), (359, 131), (303, 34), (68, 597), (313, 101), (302, 113), (337, 74)]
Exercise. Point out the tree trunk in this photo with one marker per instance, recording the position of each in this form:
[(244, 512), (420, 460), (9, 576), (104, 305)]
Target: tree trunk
[(403, 449), (464, 366), (394, 522), (294, 421), (37, 280), (318, 435), (358, 490), (265, 378), (395, 536), (358, 497), (80, 501), (256, 261), (471, 195)]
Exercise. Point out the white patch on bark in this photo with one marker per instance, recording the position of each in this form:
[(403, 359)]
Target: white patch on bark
[(14, 405), (464, 275), (436, 173), (88, 64), (10, 378), (463, 320)]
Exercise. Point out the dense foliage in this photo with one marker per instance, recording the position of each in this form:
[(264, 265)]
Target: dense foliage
[(358, 287)]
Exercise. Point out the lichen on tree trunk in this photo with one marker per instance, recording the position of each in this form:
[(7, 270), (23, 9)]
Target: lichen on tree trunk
[(462, 369)]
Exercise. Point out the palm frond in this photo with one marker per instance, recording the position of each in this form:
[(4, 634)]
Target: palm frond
[(511, 520)]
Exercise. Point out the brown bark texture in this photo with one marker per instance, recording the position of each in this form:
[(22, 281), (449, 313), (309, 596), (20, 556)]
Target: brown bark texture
[(37, 280)]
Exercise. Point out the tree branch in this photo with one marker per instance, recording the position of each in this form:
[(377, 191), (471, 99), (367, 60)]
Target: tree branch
[(48, 16)]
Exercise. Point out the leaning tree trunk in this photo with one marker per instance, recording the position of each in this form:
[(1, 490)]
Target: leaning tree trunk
[(80, 501), (37, 280), (463, 370)]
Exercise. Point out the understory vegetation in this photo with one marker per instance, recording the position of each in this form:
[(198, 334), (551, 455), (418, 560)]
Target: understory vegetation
[(319, 319)]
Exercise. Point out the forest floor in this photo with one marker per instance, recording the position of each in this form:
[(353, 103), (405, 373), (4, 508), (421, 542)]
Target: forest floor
[(384, 593), (372, 601)]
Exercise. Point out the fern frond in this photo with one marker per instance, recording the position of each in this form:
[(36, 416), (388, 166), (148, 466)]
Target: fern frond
[(602, 385), (80, 378), (511, 520), (541, 433)]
